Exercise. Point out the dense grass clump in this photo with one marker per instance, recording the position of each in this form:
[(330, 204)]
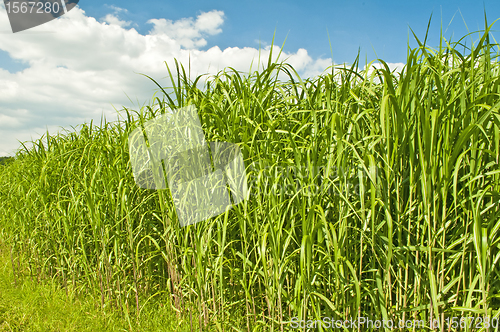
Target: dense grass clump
[(373, 195)]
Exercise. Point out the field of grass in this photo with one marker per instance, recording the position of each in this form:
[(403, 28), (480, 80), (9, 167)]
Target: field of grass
[(373, 195), (33, 305)]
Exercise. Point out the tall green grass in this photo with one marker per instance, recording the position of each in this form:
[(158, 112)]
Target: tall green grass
[(373, 194)]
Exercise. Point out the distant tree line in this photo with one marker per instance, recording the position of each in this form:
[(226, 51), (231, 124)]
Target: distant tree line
[(5, 160)]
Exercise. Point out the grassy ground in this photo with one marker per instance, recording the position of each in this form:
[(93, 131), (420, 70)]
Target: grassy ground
[(29, 305)]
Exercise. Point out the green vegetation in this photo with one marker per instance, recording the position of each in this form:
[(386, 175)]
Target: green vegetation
[(27, 304), (393, 211), (5, 160)]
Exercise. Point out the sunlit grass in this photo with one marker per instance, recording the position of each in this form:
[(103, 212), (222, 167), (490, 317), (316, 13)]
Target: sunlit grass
[(30, 304)]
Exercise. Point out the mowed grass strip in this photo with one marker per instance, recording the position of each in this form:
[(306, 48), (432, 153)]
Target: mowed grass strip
[(33, 305)]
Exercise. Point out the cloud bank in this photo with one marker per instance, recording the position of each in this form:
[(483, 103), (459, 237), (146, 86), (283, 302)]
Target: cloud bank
[(79, 68)]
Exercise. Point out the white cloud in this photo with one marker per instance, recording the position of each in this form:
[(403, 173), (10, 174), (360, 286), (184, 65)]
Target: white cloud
[(210, 22), (117, 9), (86, 68), (112, 19), (7, 121), (393, 67), (188, 32)]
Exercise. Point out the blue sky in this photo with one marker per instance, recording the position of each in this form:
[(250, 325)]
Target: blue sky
[(85, 64), (382, 25)]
